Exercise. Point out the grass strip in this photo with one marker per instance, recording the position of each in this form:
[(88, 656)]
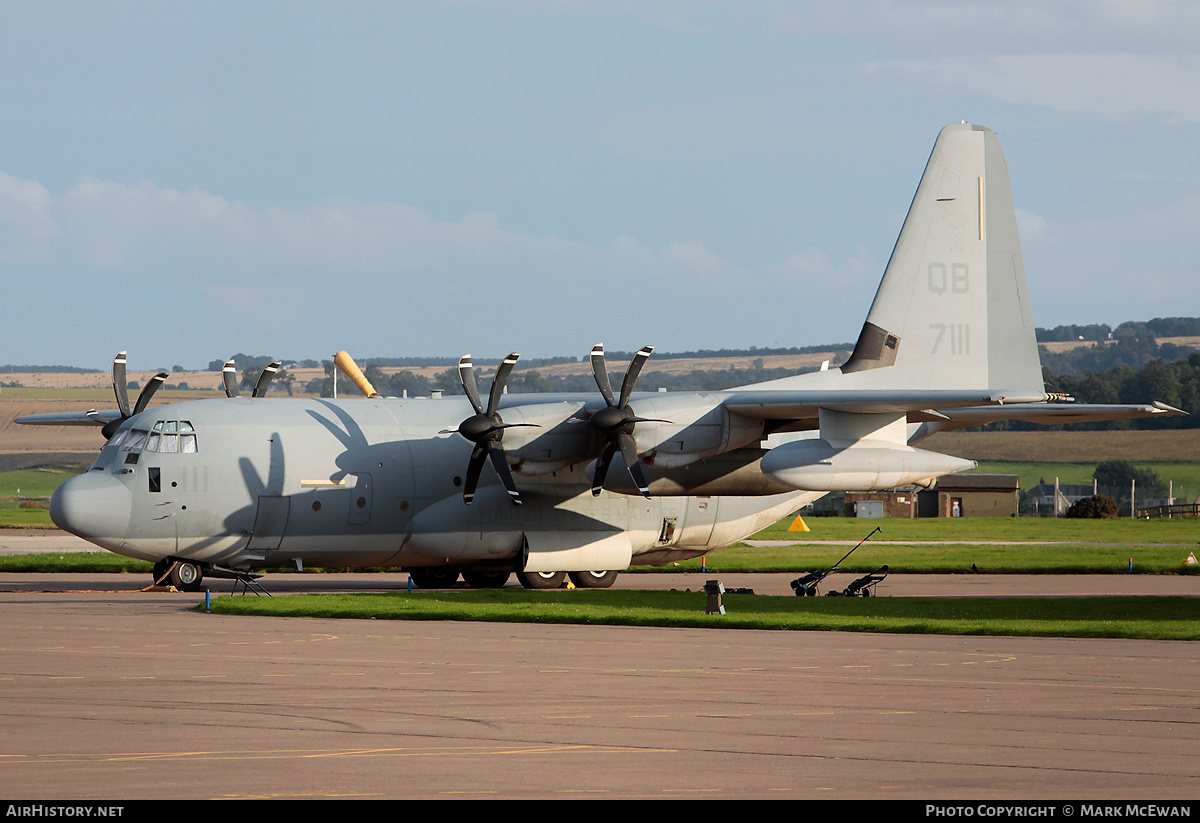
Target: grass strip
[(971, 529), (1145, 618), (99, 562), (944, 558)]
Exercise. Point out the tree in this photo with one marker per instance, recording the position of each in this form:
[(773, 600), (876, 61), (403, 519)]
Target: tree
[(1117, 475)]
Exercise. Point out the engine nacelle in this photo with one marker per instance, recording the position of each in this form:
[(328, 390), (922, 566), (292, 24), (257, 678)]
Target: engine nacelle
[(735, 473), (867, 465), (679, 431)]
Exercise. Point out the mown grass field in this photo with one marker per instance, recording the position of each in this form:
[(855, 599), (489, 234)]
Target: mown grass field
[(1151, 618), (30, 486), (1088, 448)]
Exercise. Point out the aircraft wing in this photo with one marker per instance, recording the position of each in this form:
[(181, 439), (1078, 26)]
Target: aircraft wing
[(1044, 414), (91, 417), (800, 404)]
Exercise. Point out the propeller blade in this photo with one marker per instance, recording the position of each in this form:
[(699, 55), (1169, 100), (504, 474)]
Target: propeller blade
[(600, 372), (148, 391), (466, 376), (631, 375), (601, 470), (506, 367), (119, 381), (229, 378), (500, 464), (264, 378), (633, 463), (474, 469)]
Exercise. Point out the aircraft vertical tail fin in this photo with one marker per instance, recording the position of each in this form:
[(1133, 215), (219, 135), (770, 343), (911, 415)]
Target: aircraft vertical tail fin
[(953, 308), (952, 311)]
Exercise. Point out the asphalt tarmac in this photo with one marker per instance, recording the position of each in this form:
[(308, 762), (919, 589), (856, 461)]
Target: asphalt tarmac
[(112, 693)]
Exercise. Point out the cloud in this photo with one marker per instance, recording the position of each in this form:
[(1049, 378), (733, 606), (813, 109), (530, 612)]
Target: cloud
[(1113, 85), (27, 227), (1030, 226), (237, 268)]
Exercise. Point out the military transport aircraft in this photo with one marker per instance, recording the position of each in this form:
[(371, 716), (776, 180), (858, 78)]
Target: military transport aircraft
[(586, 485)]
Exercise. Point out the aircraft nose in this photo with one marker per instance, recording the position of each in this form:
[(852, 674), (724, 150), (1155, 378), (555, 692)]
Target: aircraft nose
[(94, 505)]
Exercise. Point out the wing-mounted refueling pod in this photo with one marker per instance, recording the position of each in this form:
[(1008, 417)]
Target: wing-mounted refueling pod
[(818, 465), (858, 452)]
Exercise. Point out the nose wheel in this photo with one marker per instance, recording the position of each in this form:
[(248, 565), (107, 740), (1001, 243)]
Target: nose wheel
[(182, 574)]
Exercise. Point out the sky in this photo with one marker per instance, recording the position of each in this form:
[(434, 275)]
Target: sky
[(189, 180)]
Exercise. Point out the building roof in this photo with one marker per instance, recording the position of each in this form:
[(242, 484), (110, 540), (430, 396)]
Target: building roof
[(978, 482)]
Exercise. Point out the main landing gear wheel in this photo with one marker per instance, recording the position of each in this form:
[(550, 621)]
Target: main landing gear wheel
[(593, 580), (486, 578), (542, 580), (161, 569), (435, 577), (186, 576)]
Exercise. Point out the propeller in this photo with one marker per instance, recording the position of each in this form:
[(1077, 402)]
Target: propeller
[(122, 392), (230, 379), (616, 420), (229, 376), (485, 428), (264, 378)]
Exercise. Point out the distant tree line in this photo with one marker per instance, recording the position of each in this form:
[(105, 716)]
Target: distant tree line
[(526, 381), (1158, 327), (1132, 344), (1176, 384), (12, 367)]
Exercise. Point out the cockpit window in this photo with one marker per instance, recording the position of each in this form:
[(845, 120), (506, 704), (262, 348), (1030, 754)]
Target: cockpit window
[(172, 437)]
